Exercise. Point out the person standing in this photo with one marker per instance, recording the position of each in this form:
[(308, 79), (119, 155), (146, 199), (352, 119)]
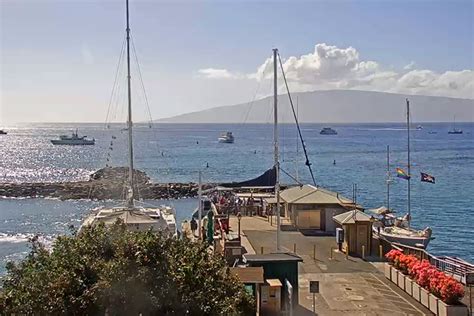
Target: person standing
[(194, 226)]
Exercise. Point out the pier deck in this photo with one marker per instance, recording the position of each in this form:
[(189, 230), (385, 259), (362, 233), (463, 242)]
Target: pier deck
[(347, 286)]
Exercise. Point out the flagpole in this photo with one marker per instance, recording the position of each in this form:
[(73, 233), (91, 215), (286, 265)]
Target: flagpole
[(408, 166)]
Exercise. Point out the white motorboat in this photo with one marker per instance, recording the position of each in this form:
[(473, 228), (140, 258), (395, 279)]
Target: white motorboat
[(74, 139), (136, 218), (328, 131), (226, 137), (419, 127)]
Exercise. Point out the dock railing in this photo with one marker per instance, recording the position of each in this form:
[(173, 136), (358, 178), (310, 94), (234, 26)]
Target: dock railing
[(454, 266)]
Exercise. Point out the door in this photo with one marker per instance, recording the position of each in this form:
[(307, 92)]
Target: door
[(309, 219), (362, 239)]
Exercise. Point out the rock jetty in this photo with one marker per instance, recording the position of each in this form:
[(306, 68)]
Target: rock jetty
[(105, 184)]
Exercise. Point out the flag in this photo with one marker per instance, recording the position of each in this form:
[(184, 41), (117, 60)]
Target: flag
[(427, 178), (402, 174)]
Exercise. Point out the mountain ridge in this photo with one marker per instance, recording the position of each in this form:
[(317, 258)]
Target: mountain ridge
[(337, 106)]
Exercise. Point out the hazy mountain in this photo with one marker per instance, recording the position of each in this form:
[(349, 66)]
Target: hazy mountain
[(338, 106)]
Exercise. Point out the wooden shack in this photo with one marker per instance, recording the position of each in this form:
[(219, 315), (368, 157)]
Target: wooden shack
[(357, 227)]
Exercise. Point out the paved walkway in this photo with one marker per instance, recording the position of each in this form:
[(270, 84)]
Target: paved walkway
[(347, 286)]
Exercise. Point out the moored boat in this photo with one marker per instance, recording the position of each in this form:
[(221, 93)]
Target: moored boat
[(226, 137), (134, 217), (2, 132), (328, 131), (74, 139)]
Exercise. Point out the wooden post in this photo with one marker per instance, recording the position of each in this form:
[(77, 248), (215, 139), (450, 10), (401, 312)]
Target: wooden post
[(261, 250), (331, 253), (380, 251), (363, 252), (294, 248), (314, 252)]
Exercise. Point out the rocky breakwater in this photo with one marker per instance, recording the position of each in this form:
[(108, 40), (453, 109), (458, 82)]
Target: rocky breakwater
[(104, 184)]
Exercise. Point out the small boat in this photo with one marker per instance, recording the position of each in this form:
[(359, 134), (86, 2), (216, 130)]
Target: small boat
[(226, 137), (419, 127), (74, 139), (327, 131), (455, 130), (2, 132)]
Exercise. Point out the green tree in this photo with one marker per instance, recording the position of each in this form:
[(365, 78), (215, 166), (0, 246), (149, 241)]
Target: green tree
[(117, 272)]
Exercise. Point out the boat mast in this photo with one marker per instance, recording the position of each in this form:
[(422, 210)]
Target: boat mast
[(297, 143), (275, 139), (129, 120), (408, 165), (388, 177)]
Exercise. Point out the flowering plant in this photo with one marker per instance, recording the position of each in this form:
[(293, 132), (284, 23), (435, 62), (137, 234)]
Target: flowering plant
[(406, 262), (451, 291), (393, 256)]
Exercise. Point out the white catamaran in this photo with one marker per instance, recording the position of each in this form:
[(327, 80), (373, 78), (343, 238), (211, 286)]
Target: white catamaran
[(395, 229), (136, 218)]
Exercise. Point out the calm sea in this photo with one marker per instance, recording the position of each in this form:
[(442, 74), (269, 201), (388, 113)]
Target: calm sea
[(176, 152)]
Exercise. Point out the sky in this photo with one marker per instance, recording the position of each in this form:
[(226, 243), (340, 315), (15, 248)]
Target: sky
[(59, 58)]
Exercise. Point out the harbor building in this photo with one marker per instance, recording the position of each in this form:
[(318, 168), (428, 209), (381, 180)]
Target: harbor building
[(310, 207)]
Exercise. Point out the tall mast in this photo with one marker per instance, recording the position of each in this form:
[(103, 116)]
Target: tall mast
[(388, 177), (297, 143), (275, 139), (408, 158), (129, 120)]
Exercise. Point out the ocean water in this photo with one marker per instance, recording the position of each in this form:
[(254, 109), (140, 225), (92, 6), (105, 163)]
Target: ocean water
[(176, 153)]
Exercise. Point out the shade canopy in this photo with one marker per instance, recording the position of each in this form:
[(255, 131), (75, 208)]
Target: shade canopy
[(267, 179)]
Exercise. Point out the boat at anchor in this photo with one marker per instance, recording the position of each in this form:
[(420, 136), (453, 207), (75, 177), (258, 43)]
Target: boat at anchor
[(135, 217), (74, 139), (226, 137)]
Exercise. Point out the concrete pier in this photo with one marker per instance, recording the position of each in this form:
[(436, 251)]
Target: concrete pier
[(349, 286)]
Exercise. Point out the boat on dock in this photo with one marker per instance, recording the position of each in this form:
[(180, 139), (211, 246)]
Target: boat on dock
[(226, 137), (73, 140), (135, 217), (328, 131), (395, 229)]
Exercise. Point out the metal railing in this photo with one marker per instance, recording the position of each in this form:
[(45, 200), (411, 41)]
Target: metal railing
[(454, 266)]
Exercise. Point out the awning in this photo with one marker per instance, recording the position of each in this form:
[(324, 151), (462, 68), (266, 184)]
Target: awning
[(267, 179)]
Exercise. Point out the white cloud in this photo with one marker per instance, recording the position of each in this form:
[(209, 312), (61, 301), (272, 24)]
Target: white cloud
[(331, 67), (213, 73)]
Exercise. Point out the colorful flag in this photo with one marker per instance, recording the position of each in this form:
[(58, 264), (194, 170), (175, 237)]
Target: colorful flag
[(427, 178), (402, 174)]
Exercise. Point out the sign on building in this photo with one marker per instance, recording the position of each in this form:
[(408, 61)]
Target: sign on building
[(313, 286)]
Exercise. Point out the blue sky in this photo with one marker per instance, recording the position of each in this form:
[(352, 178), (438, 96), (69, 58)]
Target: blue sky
[(58, 58)]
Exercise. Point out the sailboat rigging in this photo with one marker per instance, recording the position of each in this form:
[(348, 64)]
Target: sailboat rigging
[(136, 218), (395, 229)]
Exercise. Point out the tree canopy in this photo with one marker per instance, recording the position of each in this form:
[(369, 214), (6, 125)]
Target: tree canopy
[(117, 272)]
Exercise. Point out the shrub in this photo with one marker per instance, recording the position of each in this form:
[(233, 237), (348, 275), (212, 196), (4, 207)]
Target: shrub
[(117, 272)]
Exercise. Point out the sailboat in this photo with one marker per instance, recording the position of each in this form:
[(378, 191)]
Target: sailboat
[(455, 130), (136, 218), (396, 229)]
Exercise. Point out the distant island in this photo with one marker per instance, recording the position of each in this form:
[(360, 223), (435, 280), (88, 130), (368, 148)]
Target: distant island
[(337, 106)]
